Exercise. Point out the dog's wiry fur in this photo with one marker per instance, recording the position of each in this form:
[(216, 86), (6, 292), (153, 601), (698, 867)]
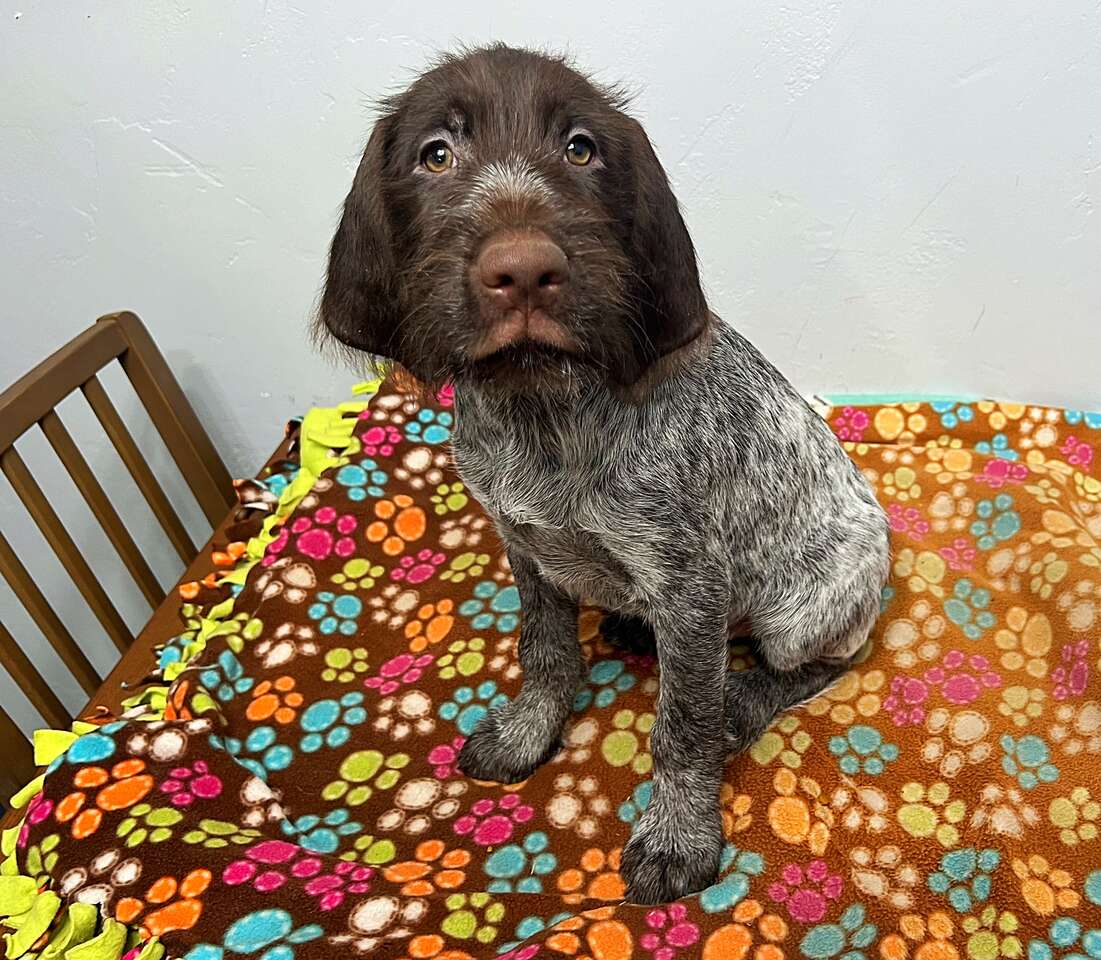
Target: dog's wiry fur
[(663, 468)]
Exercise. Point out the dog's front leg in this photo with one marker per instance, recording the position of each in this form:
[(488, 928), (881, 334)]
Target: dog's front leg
[(675, 847), (510, 742)]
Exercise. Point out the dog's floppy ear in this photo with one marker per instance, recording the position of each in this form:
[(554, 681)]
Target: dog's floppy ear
[(360, 305), (672, 307)]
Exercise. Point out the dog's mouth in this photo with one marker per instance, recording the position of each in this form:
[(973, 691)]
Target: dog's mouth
[(520, 356)]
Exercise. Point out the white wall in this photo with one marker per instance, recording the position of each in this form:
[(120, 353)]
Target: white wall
[(885, 196)]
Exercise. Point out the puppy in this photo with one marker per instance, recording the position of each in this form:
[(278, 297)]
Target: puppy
[(510, 231)]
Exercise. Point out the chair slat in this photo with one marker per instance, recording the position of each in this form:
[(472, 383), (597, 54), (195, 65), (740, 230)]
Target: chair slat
[(24, 587), (47, 520), (16, 759), (31, 682), (100, 505), (128, 450)]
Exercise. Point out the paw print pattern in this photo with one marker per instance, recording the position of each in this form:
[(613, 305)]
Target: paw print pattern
[(417, 568), (626, 743), (275, 700), (736, 867), (177, 904), (1028, 759), (992, 933), (464, 658), (419, 802), (785, 739), (862, 750), (491, 822), (124, 785), (380, 440), (357, 574), (362, 480), (596, 877), (465, 565), (187, 785), (964, 877), (1075, 816), (213, 834), (961, 678), (1064, 934), (631, 808), (433, 868), (520, 867), (431, 626), (1072, 674), (929, 812), (362, 773), (343, 664), (449, 498), (147, 823), (260, 752), (995, 521), (336, 614), (1045, 889), (321, 834), (429, 426), (849, 936), (328, 723), (346, 878), (472, 917), (669, 931), (397, 672), (401, 715), (884, 875), (226, 679), (577, 804), (806, 892), (1021, 704), (468, 705), (286, 578), (397, 522), (325, 533), (286, 644), (493, 607), (607, 679), (968, 608)]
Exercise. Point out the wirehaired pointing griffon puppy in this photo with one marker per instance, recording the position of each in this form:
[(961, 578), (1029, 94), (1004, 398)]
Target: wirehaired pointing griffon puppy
[(510, 231)]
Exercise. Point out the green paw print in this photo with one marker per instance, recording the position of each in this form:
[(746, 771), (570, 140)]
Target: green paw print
[(472, 916), (631, 808), (964, 877), (862, 750), (41, 858), (146, 822), (466, 565), (214, 834), (996, 521), (968, 609), (493, 606), (1066, 933), (362, 773), (992, 934), (357, 574), (371, 850), (849, 936), (464, 658), (449, 498), (343, 665), (627, 743), (239, 629), (786, 740), (1029, 760)]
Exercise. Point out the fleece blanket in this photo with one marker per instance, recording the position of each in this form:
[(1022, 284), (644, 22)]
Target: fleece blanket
[(287, 790)]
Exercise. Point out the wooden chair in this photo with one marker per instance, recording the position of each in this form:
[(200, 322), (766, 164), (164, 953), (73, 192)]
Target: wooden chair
[(30, 403)]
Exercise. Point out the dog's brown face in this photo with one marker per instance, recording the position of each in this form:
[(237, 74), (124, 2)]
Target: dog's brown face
[(508, 224)]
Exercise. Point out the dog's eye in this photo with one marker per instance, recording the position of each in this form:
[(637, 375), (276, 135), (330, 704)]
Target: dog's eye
[(437, 157), (580, 150)]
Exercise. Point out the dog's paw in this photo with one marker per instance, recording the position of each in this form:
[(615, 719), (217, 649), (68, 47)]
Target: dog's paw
[(507, 746), (670, 857)]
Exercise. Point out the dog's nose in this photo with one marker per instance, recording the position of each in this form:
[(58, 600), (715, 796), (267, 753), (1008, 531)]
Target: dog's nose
[(524, 270)]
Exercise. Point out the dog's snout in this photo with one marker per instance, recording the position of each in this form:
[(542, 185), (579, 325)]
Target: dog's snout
[(523, 271)]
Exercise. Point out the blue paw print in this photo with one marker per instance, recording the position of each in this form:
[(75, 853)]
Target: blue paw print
[(996, 521), (530, 926), (850, 934), (631, 808), (226, 679), (607, 679), (520, 868), (862, 750), (1090, 419), (492, 606), (173, 651), (997, 446), (362, 480), (885, 597), (953, 414), (468, 705), (964, 877), (430, 426), (90, 748), (321, 835), (266, 754), (734, 886), (1029, 760), (328, 723), (968, 609), (269, 930), (336, 614), (1065, 933)]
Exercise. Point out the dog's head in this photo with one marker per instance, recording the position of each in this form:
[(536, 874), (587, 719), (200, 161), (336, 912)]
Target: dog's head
[(509, 224)]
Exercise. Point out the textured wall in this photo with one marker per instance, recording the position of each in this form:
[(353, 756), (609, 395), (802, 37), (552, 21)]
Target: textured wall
[(884, 196)]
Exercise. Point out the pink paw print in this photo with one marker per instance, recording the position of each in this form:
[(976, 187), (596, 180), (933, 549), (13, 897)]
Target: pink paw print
[(907, 520), (906, 702), (851, 424), (331, 888), (380, 440), (997, 473), (807, 892), (962, 685), (267, 865), (403, 669), (960, 555), (417, 568), (444, 757), (185, 785), (445, 397), (1073, 672), (1077, 452), (669, 932), (318, 536), (490, 822)]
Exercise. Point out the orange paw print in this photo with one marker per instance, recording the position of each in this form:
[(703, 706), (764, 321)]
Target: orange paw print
[(230, 555), (399, 522), (275, 700), (434, 869), (122, 787), (598, 877), (434, 622), (181, 904)]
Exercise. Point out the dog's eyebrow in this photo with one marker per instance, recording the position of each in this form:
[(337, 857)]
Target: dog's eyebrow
[(455, 122)]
